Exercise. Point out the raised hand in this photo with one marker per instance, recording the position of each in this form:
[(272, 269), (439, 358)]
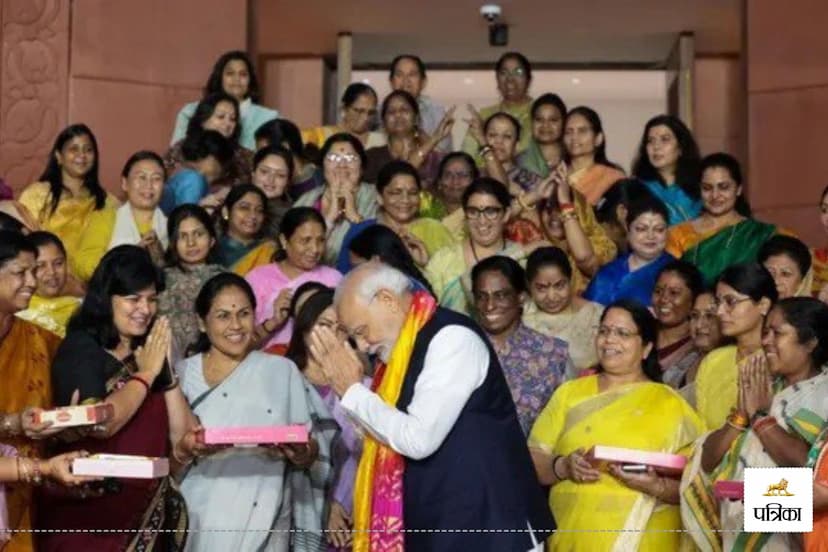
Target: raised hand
[(151, 356), (281, 309), (475, 125)]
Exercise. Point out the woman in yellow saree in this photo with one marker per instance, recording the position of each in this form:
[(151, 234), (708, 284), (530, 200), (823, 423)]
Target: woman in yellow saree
[(69, 190), (624, 406), (744, 295), (778, 417), (725, 233)]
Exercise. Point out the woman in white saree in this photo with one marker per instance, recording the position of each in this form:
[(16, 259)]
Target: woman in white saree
[(781, 407), (260, 498)]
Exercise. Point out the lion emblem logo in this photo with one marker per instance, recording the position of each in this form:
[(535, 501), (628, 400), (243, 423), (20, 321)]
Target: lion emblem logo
[(778, 489)]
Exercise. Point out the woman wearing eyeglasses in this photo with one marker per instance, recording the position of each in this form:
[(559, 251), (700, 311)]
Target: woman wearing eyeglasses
[(514, 74), (744, 295), (486, 206), (775, 421), (358, 116), (706, 333), (623, 405), (344, 200)]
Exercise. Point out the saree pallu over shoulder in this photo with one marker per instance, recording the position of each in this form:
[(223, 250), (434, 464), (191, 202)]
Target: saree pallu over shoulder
[(801, 411), (240, 493), (736, 244), (26, 354), (646, 416)]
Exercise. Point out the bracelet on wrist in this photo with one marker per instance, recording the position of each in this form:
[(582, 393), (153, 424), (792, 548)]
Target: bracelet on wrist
[(762, 424), (555, 467), (737, 420), (566, 206), (761, 413), (142, 381)]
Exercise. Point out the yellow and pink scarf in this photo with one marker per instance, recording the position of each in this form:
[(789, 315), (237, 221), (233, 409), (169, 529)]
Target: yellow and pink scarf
[(378, 494)]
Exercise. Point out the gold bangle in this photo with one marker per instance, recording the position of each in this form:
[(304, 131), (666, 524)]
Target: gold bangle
[(569, 216)]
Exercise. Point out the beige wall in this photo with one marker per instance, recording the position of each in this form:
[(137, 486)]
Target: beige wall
[(787, 111)]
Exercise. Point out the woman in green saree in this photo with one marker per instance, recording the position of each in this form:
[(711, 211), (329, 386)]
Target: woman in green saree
[(779, 414), (545, 150), (725, 233)]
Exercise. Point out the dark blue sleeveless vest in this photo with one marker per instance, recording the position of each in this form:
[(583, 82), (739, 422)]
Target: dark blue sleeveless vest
[(482, 476)]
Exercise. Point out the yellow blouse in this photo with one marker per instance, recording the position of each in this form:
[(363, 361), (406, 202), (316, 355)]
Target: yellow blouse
[(70, 218)]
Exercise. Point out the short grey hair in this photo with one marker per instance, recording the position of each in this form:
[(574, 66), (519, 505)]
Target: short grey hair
[(375, 277)]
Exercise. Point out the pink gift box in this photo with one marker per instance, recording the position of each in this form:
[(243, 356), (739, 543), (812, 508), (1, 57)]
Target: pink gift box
[(667, 464), (121, 465), (264, 435), (730, 490), (71, 416)]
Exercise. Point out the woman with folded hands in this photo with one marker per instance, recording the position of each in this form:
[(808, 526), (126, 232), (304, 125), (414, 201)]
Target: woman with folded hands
[(259, 498), (780, 410), (116, 352), (623, 405)]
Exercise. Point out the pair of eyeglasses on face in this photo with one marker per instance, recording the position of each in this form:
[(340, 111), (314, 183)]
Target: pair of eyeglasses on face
[(729, 302), (342, 158), (620, 333), (516, 72), (488, 213)]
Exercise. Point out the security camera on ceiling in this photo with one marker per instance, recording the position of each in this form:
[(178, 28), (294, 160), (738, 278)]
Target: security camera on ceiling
[(498, 32)]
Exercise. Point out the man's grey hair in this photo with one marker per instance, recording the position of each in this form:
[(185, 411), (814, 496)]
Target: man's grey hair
[(375, 276)]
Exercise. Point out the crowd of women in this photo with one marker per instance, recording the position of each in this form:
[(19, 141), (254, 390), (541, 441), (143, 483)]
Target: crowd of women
[(647, 309)]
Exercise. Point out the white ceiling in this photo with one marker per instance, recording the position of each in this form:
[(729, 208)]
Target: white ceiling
[(452, 31)]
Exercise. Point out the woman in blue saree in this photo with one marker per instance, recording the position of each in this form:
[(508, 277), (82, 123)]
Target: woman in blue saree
[(633, 275)]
